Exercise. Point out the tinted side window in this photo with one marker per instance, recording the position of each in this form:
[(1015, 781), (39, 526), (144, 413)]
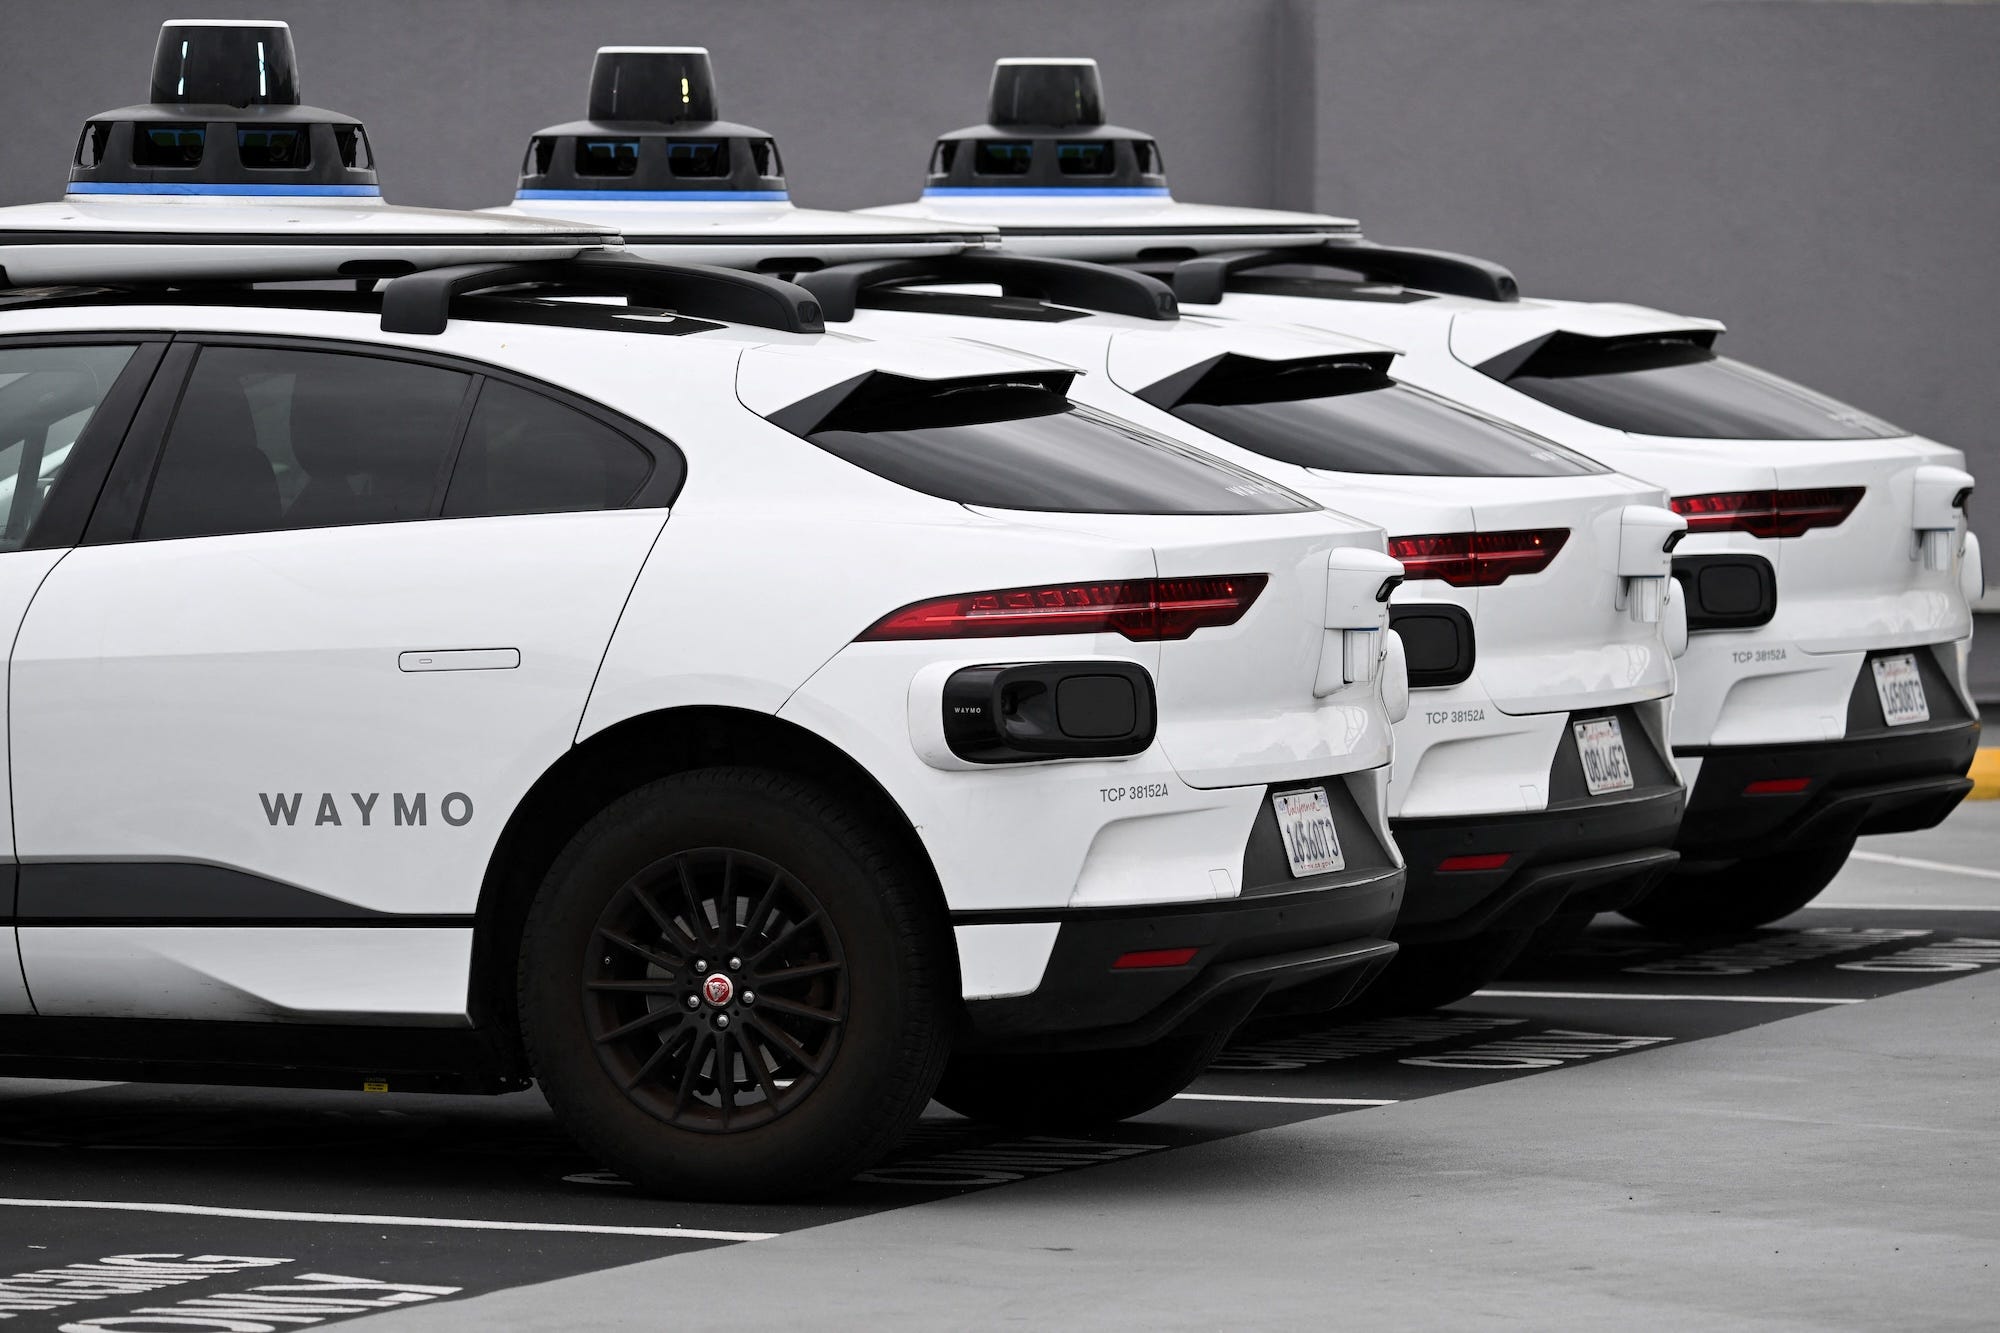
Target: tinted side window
[(1670, 386), (1019, 447), (527, 454), (1393, 431), (271, 438), (47, 397)]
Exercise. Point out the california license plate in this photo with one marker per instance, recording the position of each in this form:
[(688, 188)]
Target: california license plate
[(1901, 690), (1305, 822), (1601, 746)]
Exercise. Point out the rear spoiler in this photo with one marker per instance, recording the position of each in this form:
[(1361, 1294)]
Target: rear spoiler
[(1549, 351), (1113, 291), (1204, 280), (853, 403), (1232, 378)]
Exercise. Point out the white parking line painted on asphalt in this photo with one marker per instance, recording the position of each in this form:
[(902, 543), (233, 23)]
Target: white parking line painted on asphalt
[(1919, 863), (1284, 1101), (1898, 907), (384, 1220), (1636, 995)]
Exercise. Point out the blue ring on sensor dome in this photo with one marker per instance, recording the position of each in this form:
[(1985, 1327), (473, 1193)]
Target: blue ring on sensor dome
[(189, 187), (1003, 192), (663, 196)]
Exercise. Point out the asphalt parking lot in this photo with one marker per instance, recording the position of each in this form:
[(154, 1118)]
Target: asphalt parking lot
[(1784, 1129)]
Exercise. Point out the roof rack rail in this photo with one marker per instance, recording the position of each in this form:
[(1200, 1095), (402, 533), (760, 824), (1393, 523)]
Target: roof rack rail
[(1062, 281), (421, 302), (1204, 280)]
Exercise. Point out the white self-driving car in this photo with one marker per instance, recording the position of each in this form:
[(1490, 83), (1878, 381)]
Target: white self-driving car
[(1828, 570), (1537, 617), (1532, 776), (722, 723)]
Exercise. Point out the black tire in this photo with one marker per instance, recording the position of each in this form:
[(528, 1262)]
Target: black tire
[(1743, 895), (1074, 1090), (623, 1033), (1429, 976)]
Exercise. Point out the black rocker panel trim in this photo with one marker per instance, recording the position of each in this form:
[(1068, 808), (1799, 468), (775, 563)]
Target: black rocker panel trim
[(102, 893), (292, 1055)]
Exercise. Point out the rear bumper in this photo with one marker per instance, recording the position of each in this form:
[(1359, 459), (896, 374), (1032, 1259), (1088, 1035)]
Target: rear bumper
[(1245, 947), (1883, 782), (1596, 858)]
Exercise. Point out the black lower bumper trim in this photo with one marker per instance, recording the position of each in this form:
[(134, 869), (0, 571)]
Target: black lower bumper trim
[(1244, 949), (1594, 857), (1877, 783)]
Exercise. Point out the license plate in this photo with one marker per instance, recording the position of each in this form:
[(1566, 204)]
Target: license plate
[(1901, 690), (1601, 746), (1305, 822)]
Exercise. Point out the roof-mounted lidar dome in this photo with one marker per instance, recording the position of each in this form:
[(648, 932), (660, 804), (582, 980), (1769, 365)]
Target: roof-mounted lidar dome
[(655, 161), (1058, 180), (653, 133), (1045, 134), (224, 119), (225, 176)]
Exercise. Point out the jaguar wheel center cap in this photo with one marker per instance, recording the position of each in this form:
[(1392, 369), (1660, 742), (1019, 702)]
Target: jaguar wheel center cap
[(718, 989)]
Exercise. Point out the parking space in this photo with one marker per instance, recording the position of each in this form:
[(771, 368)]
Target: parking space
[(286, 1209)]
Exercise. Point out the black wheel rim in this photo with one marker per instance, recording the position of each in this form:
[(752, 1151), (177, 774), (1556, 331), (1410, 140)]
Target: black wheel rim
[(715, 990)]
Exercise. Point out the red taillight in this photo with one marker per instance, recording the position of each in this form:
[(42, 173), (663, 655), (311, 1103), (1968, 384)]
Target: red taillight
[(1768, 513), (1478, 559), (1476, 861), (1138, 609), (1156, 958), (1777, 786)]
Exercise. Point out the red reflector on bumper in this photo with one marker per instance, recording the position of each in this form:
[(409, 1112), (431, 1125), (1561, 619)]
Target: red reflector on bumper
[(1156, 958), (1481, 861), (1777, 786)]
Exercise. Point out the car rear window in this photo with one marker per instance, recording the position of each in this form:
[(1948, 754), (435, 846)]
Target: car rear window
[(1678, 386), (1021, 444), (1347, 417)]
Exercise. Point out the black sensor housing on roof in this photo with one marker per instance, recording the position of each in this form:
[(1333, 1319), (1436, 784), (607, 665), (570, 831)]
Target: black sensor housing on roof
[(225, 119), (1045, 92), (225, 64), (652, 132), (1046, 132)]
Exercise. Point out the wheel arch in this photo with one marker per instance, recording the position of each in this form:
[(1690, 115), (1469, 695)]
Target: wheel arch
[(620, 759)]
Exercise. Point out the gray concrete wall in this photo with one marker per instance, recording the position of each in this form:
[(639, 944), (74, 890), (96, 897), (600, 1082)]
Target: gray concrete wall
[(1819, 173)]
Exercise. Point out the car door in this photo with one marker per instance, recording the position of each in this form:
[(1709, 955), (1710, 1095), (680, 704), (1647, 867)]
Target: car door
[(335, 614), (64, 404)]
